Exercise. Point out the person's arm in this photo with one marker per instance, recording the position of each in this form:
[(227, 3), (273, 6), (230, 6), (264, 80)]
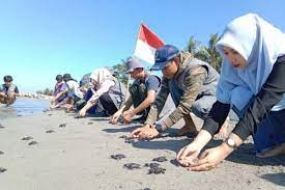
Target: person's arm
[(105, 86), (60, 94), (127, 104), (270, 94), (158, 103), (216, 118), (152, 84), (146, 103), (193, 84), (16, 91)]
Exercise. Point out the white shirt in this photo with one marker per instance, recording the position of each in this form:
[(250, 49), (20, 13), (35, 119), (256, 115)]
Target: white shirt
[(73, 89)]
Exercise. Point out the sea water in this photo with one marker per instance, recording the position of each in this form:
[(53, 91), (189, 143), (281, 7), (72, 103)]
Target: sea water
[(22, 107)]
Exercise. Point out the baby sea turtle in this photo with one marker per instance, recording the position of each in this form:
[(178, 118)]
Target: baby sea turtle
[(146, 188), (27, 138), (157, 170), (90, 123), (131, 166), (129, 141), (50, 131), (118, 156), (123, 137), (1, 152), (152, 165), (1, 126), (160, 159), (62, 125), (175, 162), (33, 143), (46, 110), (2, 170), (49, 114)]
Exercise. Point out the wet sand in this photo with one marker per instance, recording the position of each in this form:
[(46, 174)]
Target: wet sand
[(77, 156)]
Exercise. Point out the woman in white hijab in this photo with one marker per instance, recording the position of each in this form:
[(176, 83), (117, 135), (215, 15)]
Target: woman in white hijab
[(252, 83), (109, 93)]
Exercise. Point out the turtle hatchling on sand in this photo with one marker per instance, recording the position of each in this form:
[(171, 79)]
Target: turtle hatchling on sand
[(62, 125), (50, 131), (152, 165), (27, 138), (160, 159), (1, 126), (117, 156), (2, 170), (1, 152), (33, 142), (124, 137), (131, 166), (156, 170), (129, 141)]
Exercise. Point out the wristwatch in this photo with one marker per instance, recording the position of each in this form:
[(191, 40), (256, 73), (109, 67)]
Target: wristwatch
[(159, 128), (231, 143)]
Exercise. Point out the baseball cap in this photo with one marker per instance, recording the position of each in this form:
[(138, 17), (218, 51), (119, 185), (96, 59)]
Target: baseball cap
[(133, 63), (163, 55)]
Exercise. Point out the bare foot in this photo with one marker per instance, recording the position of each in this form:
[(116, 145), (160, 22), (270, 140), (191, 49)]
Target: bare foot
[(187, 129), (223, 132), (275, 151)]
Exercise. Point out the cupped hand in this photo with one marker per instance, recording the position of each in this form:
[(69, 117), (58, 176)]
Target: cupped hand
[(188, 155), (210, 158)]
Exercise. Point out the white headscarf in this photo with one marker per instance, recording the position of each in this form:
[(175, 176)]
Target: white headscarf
[(260, 44), (101, 75)]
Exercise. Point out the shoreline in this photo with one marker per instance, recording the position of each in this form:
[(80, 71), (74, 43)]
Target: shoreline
[(77, 156)]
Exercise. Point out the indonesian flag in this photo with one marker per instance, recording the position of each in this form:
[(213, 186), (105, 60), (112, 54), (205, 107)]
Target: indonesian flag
[(147, 43)]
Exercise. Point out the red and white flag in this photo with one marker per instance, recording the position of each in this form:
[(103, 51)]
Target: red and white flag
[(147, 43)]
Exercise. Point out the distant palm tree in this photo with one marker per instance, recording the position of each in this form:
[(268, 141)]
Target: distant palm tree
[(120, 72), (208, 54), (215, 57)]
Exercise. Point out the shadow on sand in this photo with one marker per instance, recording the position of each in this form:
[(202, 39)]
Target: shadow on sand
[(277, 178)]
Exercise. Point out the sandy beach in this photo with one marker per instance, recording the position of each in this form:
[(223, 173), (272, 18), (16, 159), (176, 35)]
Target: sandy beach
[(77, 156)]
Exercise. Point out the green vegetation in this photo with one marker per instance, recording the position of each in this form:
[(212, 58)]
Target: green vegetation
[(206, 53), (120, 72), (46, 91)]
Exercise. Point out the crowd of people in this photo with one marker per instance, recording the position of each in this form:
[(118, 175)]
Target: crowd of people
[(251, 83)]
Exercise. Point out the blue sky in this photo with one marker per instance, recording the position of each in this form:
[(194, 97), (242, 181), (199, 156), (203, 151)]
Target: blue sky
[(41, 38)]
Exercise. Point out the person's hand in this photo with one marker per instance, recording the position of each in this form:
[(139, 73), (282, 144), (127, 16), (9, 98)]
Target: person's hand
[(136, 133), (52, 101), (115, 117), (210, 158), (189, 154), (148, 133), (127, 115), (144, 133), (82, 112)]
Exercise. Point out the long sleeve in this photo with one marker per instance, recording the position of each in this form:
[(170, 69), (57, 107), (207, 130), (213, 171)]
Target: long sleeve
[(217, 116), (194, 82), (104, 87), (270, 94)]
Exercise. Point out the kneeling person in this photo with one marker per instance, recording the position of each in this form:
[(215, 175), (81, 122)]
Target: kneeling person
[(8, 91), (108, 94), (192, 85), (142, 92)]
